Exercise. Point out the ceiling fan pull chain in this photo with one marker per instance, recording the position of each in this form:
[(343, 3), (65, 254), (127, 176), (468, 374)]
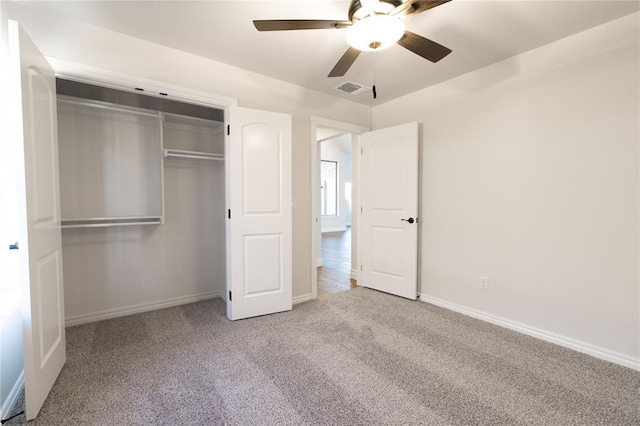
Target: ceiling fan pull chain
[(373, 88)]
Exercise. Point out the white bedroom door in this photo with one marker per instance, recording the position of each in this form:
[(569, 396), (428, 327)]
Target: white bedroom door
[(389, 240), (259, 228), (34, 98)]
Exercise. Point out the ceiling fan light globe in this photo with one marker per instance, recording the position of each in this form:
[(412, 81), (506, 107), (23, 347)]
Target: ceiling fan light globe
[(376, 32)]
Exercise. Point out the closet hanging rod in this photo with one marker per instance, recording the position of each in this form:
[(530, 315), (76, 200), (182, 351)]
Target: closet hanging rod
[(192, 154), (95, 222), (108, 224), (111, 219)]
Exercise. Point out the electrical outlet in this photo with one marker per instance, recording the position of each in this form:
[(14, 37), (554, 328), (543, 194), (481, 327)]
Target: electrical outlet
[(484, 283)]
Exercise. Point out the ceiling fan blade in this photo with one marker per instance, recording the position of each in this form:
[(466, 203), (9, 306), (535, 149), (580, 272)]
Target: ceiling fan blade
[(298, 24), (345, 62), (421, 6), (353, 8), (424, 47), (413, 7)]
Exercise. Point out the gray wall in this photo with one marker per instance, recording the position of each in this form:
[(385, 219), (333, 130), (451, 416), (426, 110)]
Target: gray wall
[(530, 177)]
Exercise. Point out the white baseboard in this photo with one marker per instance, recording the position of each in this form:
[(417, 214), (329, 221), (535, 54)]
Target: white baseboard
[(136, 309), (354, 274), (303, 298), (333, 229), (319, 262), (564, 341), (12, 398)]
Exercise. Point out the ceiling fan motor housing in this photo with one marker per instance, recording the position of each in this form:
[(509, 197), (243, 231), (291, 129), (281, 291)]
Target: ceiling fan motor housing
[(358, 11)]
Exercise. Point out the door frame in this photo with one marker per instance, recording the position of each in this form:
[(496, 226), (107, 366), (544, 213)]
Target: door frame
[(127, 82), (355, 131)]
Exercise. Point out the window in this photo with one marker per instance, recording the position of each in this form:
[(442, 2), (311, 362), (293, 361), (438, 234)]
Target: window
[(329, 188)]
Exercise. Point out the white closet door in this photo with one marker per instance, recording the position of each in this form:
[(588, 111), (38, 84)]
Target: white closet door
[(43, 301), (259, 262)]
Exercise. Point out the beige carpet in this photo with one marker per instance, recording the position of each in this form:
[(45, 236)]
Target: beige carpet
[(358, 357)]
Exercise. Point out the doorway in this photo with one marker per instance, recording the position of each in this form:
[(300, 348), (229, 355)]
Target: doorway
[(335, 206), (335, 261)]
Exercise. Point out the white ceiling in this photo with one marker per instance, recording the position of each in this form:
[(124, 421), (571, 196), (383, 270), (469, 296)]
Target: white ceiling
[(479, 32), (324, 133)]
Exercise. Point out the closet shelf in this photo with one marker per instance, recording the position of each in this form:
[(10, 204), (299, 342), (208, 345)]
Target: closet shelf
[(176, 153), (98, 105), (103, 222)]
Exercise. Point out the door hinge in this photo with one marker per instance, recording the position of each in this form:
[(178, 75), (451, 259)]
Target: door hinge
[(228, 129), (361, 267), (230, 298), (361, 210), (361, 150), (229, 213)]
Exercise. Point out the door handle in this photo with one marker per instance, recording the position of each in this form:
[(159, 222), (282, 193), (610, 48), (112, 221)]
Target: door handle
[(410, 220), (13, 246)]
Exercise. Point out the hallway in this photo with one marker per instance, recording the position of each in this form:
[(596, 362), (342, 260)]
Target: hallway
[(334, 275)]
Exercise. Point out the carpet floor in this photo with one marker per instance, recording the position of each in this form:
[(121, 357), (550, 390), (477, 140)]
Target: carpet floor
[(355, 358)]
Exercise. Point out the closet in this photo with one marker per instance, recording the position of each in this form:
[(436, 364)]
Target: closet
[(142, 188), (129, 203)]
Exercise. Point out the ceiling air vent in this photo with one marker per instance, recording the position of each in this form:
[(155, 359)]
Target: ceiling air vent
[(352, 88)]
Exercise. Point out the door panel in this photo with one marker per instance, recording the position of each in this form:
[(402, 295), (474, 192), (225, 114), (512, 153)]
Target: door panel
[(390, 194), (389, 161), (33, 81), (42, 127), (259, 221), (383, 260), (48, 288), (261, 148), (263, 257)]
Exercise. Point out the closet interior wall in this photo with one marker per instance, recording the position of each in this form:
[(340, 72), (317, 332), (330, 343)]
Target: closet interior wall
[(177, 254)]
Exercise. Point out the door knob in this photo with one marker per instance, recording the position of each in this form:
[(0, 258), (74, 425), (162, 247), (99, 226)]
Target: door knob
[(13, 246), (410, 220)]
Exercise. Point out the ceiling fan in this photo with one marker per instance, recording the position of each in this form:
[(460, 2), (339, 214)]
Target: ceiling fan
[(373, 25)]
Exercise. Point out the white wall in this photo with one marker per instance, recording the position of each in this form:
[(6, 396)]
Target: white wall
[(530, 176), (70, 40), (110, 271), (330, 151), (11, 363)]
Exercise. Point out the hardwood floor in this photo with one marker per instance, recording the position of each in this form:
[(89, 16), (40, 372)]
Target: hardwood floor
[(335, 273)]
